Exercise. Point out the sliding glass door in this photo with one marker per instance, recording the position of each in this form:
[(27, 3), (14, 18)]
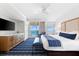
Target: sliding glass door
[(34, 30)]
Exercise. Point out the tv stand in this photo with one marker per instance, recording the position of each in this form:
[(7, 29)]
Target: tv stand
[(8, 42)]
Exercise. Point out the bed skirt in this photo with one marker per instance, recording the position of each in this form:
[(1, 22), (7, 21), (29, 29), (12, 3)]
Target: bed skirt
[(62, 53)]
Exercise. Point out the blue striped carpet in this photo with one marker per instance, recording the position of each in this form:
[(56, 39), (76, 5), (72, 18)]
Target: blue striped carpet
[(26, 48)]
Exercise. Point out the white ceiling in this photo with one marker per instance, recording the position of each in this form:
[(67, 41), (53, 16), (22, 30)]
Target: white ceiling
[(53, 11)]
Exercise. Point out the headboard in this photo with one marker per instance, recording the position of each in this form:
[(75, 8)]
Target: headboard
[(70, 25)]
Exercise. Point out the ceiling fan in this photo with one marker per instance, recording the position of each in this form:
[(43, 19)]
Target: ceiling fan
[(44, 8)]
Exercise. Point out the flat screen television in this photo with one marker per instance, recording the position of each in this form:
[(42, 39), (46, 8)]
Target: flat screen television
[(6, 25)]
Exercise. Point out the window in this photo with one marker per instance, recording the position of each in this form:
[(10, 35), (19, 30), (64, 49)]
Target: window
[(34, 30), (50, 27)]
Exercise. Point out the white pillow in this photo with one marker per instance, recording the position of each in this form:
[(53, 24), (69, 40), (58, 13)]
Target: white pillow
[(36, 40), (77, 37)]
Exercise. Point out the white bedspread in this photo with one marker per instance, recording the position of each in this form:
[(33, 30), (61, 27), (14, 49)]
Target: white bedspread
[(67, 44)]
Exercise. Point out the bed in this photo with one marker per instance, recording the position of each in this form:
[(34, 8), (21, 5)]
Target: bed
[(68, 46)]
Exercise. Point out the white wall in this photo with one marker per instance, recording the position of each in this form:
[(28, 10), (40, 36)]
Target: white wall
[(26, 29), (19, 26), (4, 14), (3, 11), (9, 13)]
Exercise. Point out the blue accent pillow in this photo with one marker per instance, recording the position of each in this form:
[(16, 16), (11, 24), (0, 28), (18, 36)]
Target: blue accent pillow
[(54, 43), (66, 35)]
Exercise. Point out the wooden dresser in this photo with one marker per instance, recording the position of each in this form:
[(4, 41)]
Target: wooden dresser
[(8, 42)]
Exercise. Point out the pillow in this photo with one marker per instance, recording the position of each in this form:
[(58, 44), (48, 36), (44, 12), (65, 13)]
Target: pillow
[(36, 40), (77, 37), (67, 35)]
